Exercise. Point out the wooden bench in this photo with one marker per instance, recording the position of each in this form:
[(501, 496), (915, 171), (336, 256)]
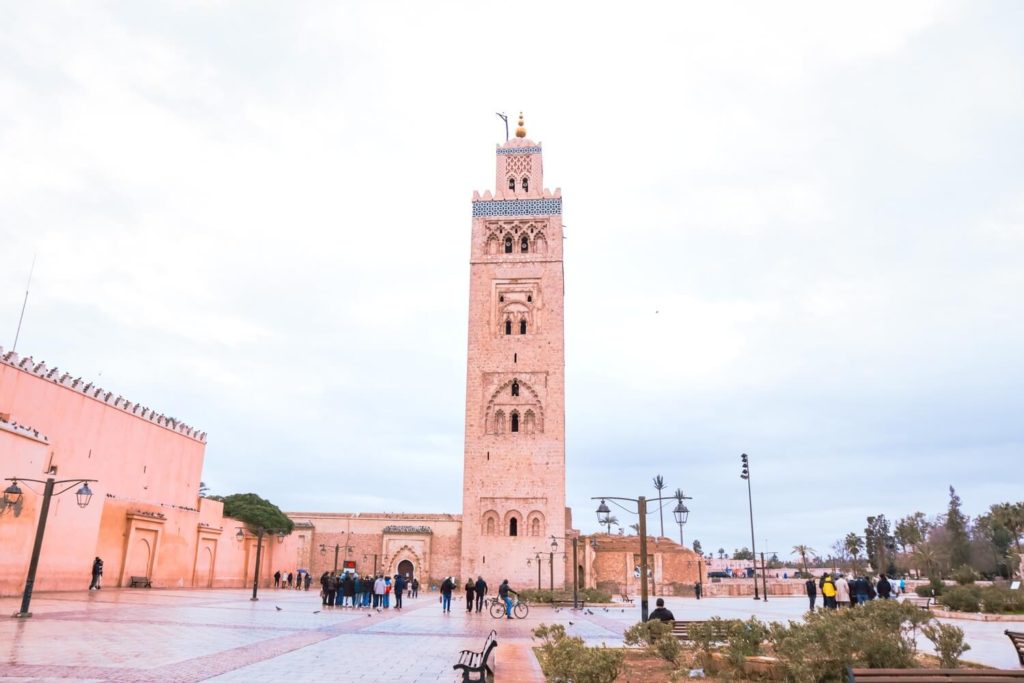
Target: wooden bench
[(932, 675), (681, 630), (140, 581), (477, 662), (923, 603), (626, 598), (1017, 638), (568, 603)]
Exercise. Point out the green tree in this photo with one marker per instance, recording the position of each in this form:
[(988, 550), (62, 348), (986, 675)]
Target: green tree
[(204, 490), (255, 512), (742, 554), (635, 528), (956, 527), (876, 537), (1011, 517), (659, 486), (697, 548), (925, 558), (853, 545), (612, 519), (721, 553), (803, 551), (911, 530)]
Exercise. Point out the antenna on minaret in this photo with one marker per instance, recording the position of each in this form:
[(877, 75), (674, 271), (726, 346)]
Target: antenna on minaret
[(504, 117), (24, 303)]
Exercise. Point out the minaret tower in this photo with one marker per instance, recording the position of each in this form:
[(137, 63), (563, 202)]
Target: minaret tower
[(514, 477)]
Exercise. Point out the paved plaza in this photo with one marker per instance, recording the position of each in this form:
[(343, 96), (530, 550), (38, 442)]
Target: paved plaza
[(220, 635)]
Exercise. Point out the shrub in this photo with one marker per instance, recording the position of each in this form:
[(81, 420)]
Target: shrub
[(745, 638), (965, 575), (881, 634), (925, 591), (948, 641), (703, 635), (999, 599), (962, 598), (656, 636), (594, 595), (565, 658)]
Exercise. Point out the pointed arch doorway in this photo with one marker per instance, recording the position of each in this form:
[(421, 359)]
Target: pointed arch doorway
[(406, 569)]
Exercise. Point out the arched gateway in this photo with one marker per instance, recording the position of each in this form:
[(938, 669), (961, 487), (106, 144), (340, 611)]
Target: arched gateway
[(406, 569)]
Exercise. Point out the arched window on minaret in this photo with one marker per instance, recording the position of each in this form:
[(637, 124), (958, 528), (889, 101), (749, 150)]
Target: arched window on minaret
[(535, 527), (515, 388), (490, 526), (522, 326), (508, 244), (512, 184), (529, 422), (508, 327), (515, 421), (513, 527), (524, 244), (526, 184), (499, 422)]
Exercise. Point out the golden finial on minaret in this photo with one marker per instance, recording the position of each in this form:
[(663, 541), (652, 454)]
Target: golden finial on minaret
[(520, 131)]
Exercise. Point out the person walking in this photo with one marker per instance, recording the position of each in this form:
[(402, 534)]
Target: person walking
[(378, 592), (503, 590), (97, 574), (277, 579), (481, 591), (387, 592), (698, 589), (828, 591), (332, 590), (812, 591), (324, 579), (399, 586), (367, 591), (290, 579), (350, 591), (307, 580), (470, 594), (842, 591), (884, 588), (447, 586), (415, 587)]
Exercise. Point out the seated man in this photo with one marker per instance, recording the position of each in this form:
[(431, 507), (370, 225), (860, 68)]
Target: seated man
[(660, 613)]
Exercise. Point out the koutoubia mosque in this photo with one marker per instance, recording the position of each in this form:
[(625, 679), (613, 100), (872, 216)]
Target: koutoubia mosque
[(147, 518)]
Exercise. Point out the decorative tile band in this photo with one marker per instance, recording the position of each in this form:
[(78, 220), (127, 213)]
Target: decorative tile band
[(517, 207), (518, 150)]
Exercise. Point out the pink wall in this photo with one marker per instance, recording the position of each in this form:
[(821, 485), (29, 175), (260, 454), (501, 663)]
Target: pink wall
[(145, 518)]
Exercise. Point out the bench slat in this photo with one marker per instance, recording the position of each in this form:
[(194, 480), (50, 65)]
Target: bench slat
[(932, 675)]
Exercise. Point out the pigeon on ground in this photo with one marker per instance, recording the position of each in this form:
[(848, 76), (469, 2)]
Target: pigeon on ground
[(571, 624), (370, 614), (316, 612), (277, 608)]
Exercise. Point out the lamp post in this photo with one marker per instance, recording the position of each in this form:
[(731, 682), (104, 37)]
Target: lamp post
[(745, 474), (260, 531), (537, 559), (13, 496), (337, 548), (681, 513), (604, 512), (575, 566)]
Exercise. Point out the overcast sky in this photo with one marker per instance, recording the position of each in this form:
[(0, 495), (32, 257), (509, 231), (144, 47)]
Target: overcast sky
[(793, 230)]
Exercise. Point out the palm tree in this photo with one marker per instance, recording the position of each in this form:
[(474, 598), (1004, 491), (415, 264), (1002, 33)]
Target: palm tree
[(659, 485), (612, 519), (635, 528), (803, 551), (924, 558), (679, 496), (721, 553), (854, 544)]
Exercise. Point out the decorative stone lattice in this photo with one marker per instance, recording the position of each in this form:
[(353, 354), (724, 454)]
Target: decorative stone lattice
[(517, 207), (516, 165), (400, 529), (518, 150)]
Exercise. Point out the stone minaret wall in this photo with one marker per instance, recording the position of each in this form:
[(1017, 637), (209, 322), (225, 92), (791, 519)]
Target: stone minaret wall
[(514, 471)]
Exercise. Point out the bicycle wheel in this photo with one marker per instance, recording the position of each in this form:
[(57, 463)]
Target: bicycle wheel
[(497, 609), (521, 610)]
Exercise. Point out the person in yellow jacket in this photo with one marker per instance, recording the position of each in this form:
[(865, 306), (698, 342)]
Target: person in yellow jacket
[(828, 592)]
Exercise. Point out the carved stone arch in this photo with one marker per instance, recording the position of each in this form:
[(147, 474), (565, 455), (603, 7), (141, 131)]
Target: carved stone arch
[(535, 523), (492, 244), (490, 523), (498, 424), (529, 424), (507, 523), (403, 553), (540, 243)]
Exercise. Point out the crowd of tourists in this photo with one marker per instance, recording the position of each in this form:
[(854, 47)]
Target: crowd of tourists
[(838, 591), (300, 580), (348, 589)]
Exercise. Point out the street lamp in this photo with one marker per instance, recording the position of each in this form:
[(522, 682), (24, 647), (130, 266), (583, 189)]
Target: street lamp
[(13, 496), (575, 565), (745, 474), (260, 531), (603, 513), (536, 558), (337, 548)]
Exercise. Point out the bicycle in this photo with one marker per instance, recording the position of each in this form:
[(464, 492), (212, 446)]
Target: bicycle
[(497, 608)]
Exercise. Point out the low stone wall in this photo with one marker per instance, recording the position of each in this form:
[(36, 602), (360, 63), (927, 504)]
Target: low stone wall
[(735, 588)]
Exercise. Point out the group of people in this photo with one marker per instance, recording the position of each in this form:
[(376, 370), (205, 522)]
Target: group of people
[(348, 589), (838, 591), (301, 579), (476, 591)]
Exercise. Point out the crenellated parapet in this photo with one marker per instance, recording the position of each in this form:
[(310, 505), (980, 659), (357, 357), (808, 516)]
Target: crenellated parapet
[(89, 389)]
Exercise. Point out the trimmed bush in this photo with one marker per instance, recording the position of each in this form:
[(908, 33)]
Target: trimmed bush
[(565, 658), (1000, 599), (962, 598), (965, 575)]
